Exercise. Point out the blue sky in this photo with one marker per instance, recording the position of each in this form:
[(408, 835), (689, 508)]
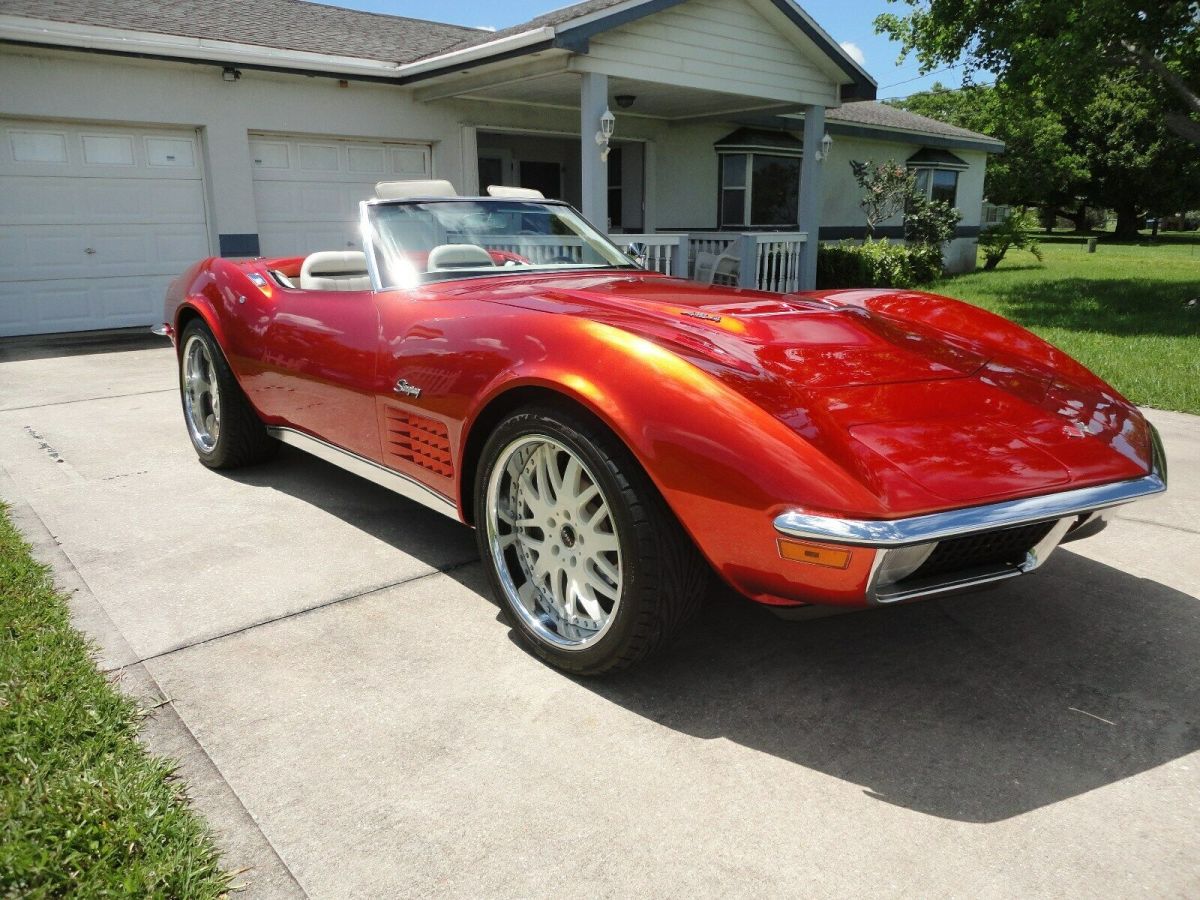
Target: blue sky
[(849, 21)]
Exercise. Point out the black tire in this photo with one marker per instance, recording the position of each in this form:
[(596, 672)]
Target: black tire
[(664, 577), (241, 439)]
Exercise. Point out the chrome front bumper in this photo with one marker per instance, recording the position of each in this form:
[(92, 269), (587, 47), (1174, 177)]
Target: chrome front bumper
[(901, 542)]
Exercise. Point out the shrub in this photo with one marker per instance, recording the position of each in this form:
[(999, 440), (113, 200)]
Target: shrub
[(1016, 232), (876, 264), (930, 222)]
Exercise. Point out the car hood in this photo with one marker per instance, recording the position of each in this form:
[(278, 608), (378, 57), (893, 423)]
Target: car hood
[(924, 416)]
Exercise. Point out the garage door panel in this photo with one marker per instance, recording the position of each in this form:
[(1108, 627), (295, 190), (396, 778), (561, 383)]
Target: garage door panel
[(283, 240), (60, 251), (307, 190), (80, 201), (77, 304), (95, 221)]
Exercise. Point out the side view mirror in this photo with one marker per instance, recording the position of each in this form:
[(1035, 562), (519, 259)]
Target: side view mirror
[(637, 251)]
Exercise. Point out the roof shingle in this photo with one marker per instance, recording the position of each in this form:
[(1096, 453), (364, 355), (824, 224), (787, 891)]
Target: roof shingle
[(879, 115), (282, 24)]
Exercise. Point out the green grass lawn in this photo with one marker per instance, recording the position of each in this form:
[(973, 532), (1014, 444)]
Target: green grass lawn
[(84, 810), (1120, 311)]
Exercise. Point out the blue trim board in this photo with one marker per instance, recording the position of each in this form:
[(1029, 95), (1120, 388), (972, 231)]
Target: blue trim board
[(238, 244)]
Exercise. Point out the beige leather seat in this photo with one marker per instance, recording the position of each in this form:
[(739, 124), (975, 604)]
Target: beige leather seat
[(335, 270), (503, 190), (458, 256), (402, 190)]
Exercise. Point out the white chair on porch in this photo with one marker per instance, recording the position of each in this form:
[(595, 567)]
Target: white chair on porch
[(714, 269)]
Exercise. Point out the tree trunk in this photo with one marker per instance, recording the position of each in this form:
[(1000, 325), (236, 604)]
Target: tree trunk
[(1128, 222), (1080, 218)]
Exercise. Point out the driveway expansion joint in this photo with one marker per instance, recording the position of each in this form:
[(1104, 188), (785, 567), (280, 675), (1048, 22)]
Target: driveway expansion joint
[(453, 567), (9, 409)]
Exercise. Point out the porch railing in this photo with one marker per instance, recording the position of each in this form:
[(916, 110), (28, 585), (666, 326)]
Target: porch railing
[(768, 261), (666, 253)]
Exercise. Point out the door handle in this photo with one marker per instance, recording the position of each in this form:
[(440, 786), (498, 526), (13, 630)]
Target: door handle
[(90, 251)]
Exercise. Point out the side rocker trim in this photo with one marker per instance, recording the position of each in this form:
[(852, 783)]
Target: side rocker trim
[(368, 469)]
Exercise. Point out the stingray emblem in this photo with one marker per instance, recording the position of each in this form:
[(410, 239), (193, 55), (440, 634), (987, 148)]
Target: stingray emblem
[(1076, 429), (408, 390)]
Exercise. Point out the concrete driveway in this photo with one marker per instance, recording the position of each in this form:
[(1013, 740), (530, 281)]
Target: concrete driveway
[(356, 721)]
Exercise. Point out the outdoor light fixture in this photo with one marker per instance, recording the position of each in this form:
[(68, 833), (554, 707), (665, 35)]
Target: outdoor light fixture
[(826, 146), (625, 100), (608, 124), (229, 73)]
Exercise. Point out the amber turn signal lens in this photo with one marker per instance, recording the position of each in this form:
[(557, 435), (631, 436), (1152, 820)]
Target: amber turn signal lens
[(817, 554)]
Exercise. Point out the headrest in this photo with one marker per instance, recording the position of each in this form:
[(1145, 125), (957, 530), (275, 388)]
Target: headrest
[(501, 190), (401, 190), (334, 262), (458, 256)]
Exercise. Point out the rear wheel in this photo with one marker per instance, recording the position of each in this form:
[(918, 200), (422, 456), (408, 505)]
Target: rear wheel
[(224, 429), (584, 555)]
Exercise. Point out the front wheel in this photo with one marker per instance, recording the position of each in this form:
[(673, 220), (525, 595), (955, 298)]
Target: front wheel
[(584, 555), (224, 429)]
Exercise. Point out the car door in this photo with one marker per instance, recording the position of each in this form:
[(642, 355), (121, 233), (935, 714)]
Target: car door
[(428, 372), (317, 360)]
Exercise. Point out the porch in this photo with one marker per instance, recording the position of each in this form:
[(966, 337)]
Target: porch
[(622, 114)]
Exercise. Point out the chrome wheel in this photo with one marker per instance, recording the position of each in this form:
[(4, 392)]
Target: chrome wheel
[(553, 539), (201, 396)]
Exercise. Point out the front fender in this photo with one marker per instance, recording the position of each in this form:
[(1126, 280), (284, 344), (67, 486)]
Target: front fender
[(724, 465)]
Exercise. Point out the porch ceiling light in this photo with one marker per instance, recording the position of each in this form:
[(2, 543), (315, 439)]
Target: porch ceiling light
[(826, 146), (608, 124)]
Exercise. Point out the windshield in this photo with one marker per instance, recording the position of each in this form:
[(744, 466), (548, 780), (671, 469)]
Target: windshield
[(419, 241)]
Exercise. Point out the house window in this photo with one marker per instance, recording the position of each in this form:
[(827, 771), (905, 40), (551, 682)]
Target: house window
[(758, 190), (938, 184)]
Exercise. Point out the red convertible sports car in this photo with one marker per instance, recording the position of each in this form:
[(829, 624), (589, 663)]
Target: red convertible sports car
[(615, 435)]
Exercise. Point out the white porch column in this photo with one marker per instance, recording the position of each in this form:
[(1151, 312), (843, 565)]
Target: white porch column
[(593, 100), (808, 215)]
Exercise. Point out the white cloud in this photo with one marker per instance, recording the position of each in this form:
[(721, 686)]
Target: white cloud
[(854, 52)]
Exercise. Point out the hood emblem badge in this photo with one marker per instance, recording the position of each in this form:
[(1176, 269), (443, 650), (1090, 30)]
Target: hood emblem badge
[(1076, 429), (408, 390), (696, 314)]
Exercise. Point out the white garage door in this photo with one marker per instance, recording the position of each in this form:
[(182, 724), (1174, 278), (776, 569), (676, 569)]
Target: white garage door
[(307, 190), (94, 223)]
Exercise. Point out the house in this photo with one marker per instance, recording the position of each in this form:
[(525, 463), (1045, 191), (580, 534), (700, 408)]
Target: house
[(136, 138)]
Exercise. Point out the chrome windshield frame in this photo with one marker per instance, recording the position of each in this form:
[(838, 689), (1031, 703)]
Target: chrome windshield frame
[(893, 533)]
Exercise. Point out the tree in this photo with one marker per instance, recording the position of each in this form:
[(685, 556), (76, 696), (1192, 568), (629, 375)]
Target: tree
[(1058, 48), (1137, 165), (1113, 151), (1038, 167)]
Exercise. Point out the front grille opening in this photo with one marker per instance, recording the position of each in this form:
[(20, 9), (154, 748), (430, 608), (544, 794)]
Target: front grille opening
[(1003, 549)]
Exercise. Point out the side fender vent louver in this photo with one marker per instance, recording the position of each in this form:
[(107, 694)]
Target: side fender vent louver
[(419, 440)]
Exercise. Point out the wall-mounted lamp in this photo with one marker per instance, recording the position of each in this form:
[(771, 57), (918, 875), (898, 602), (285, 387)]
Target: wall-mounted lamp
[(625, 100), (826, 146), (229, 73), (608, 124)]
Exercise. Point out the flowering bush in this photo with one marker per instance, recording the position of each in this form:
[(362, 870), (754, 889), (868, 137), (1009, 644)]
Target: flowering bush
[(929, 222), (888, 187)]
